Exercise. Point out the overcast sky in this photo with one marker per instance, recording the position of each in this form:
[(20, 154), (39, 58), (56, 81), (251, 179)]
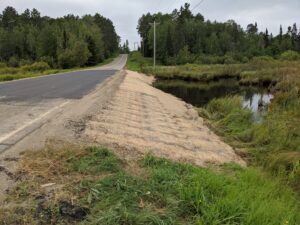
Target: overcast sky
[(125, 13)]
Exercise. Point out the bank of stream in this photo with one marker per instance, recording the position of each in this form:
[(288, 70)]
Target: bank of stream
[(200, 94)]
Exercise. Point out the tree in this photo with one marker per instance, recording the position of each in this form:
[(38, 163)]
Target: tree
[(266, 39), (25, 16), (30, 37), (169, 43), (93, 58), (294, 36), (144, 28), (110, 37), (252, 28), (181, 29), (35, 17), (47, 42), (280, 34), (184, 55), (9, 17)]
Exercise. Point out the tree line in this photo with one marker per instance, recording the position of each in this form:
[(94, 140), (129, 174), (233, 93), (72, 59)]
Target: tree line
[(183, 37), (66, 42)]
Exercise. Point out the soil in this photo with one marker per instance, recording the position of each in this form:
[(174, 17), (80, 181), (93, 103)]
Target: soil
[(133, 117), (142, 119)]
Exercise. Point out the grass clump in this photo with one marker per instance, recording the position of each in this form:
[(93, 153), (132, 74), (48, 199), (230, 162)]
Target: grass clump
[(96, 161), (95, 181), (136, 62)]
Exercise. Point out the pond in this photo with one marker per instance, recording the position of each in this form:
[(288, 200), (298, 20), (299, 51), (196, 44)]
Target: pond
[(200, 94)]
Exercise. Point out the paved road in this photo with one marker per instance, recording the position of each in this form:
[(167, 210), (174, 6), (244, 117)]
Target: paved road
[(24, 103), (71, 85)]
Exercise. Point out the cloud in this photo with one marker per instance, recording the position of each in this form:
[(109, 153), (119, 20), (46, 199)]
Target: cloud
[(125, 13)]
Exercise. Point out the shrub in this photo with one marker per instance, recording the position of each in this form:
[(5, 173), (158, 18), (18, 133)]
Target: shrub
[(209, 59), (262, 59), (49, 60), (81, 53), (65, 59), (261, 62), (13, 62), (25, 62), (184, 56), (229, 60), (7, 78), (8, 70), (245, 59), (2, 65), (36, 67), (75, 57), (290, 55)]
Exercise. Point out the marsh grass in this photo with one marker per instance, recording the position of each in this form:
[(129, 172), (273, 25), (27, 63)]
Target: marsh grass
[(96, 180), (274, 143), (257, 72)]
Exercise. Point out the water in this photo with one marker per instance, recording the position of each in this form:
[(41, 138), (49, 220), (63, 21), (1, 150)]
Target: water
[(200, 94)]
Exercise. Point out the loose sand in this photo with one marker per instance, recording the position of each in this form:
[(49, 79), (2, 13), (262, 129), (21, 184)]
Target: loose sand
[(143, 119)]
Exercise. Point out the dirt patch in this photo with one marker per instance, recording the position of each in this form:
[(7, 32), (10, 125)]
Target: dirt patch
[(141, 119)]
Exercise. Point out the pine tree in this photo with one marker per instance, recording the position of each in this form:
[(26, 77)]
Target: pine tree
[(266, 39), (9, 17), (93, 59), (280, 34)]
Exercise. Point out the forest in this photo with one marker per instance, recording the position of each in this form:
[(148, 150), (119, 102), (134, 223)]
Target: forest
[(186, 38), (67, 42)]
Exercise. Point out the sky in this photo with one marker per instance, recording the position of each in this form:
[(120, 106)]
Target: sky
[(125, 13)]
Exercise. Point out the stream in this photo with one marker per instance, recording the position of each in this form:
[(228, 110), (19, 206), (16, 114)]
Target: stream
[(200, 94)]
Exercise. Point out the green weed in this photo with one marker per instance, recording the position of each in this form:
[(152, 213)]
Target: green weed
[(167, 193)]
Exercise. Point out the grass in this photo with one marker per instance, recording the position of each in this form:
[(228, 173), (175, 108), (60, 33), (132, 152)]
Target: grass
[(273, 143), (10, 73), (136, 62), (257, 72), (96, 184)]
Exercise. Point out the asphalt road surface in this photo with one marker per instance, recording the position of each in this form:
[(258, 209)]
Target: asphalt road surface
[(71, 85), (23, 103)]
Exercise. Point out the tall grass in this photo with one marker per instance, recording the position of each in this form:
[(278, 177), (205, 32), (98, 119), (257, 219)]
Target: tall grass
[(274, 143), (256, 72)]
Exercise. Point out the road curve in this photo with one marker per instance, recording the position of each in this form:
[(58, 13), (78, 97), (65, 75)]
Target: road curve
[(73, 85), (25, 103)]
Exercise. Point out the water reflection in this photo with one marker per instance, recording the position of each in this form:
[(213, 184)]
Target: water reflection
[(199, 94), (257, 102)]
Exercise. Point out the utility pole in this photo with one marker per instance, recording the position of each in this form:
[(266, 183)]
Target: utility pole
[(154, 44)]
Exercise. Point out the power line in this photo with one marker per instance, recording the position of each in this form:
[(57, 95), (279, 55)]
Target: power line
[(196, 6)]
